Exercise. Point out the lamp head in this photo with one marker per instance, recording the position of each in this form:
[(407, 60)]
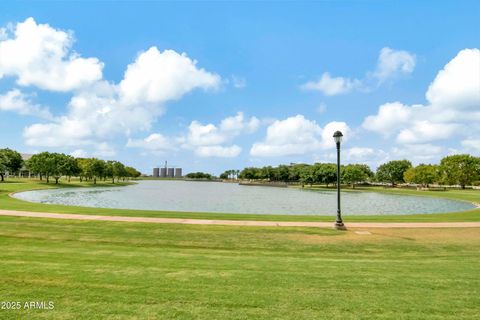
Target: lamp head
[(337, 136)]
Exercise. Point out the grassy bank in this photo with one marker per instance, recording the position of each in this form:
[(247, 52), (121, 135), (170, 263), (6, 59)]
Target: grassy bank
[(106, 270), (18, 185)]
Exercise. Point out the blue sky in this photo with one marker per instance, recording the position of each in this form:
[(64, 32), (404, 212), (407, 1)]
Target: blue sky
[(270, 82)]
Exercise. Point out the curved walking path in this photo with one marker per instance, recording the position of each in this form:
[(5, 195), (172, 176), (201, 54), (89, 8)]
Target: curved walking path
[(239, 222)]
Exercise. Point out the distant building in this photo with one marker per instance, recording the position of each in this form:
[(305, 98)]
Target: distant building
[(167, 172), (163, 172), (178, 172)]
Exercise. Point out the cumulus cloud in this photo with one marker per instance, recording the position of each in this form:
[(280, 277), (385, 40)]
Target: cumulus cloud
[(154, 142), (391, 63), (331, 86), (161, 76), (39, 55), (364, 155), (16, 101), (471, 144), (297, 135), (209, 140), (418, 153), (453, 103), (205, 140), (218, 151), (106, 109)]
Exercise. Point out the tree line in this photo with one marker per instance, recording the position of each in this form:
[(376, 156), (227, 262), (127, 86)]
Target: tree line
[(56, 165), (462, 169)]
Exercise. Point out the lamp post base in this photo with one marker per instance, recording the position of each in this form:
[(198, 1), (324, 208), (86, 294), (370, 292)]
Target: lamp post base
[(340, 226)]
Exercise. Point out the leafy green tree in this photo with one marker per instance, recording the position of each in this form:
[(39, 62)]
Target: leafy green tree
[(70, 167), (423, 174), (307, 175), (325, 173), (10, 161), (409, 175), (355, 173), (96, 168), (119, 171), (199, 175), (460, 169), (84, 165), (132, 172), (393, 171)]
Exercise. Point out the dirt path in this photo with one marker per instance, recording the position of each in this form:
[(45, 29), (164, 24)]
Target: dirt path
[(239, 222)]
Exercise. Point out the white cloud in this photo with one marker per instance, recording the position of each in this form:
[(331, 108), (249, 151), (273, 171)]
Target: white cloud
[(154, 142), (471, 144), (393, 62), (297, 135), (458, 84), (218, 151), (237, 124), (453, 103), (156, 77), (390, 117), (390, 64), (106, 110), (3, 34), (40, 55), (16, 101), (209, 140), (418, 153), (331, 86), (205, 140), (103, 149), (79, 153), (426, 131), (64, 132), (369, 156), (202, 135)]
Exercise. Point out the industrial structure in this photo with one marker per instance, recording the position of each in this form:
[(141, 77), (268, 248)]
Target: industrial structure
[(167, 172)]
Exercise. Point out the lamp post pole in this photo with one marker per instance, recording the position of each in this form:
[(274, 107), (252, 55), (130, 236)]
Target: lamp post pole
[(338, 222)]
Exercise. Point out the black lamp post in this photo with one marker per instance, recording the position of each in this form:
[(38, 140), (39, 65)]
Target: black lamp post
[(337, 136)]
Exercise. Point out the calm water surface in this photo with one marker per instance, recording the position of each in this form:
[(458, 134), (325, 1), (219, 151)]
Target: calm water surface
[(232, 198)]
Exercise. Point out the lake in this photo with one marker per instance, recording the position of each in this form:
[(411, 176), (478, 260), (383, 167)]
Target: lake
[(193, 196)]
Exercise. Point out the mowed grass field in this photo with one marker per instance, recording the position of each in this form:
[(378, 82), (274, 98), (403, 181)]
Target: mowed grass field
[(112, 270), (108, 270), (17, 185)]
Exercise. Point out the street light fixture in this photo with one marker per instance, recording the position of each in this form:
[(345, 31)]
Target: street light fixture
[(337, 136)]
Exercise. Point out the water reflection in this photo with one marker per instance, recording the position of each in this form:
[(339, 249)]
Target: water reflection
[(232, 198)]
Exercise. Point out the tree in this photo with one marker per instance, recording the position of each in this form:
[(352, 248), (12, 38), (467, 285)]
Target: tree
[(325, 173), (199, 175), (355, 173), (84, 165), (132, 172), (393, 171), (96, 168), (460, 169), (307, 175), (118, 171), (10, 161), (423, 174), (70, 167)]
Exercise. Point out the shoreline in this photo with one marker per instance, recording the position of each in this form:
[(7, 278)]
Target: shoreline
[(19, 205)]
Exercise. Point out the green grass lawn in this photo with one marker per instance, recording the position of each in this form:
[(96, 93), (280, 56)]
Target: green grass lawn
[(16, 185), (107, 270)]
